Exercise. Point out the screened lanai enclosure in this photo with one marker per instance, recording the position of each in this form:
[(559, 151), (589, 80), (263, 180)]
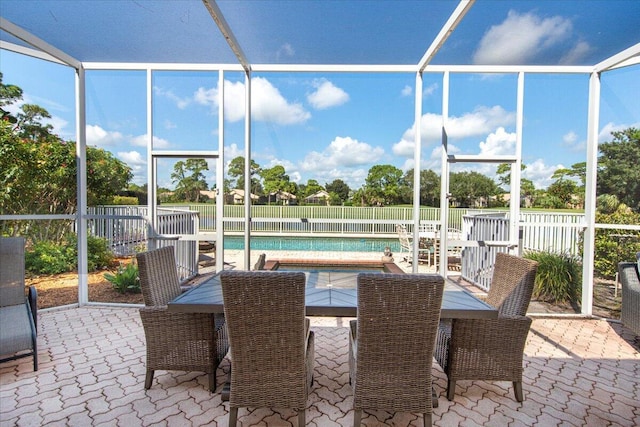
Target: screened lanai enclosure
[(447, 86)]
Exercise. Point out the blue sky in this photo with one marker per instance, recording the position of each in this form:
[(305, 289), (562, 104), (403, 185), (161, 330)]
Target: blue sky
[(325, 126)]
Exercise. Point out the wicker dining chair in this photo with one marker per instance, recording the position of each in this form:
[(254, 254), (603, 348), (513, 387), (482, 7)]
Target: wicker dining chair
[(176, 341), (391, 343), (18, 312), (491, 349), (272, 347)]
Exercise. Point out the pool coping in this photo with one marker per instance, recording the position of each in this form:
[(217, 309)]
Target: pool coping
[(388, 267)]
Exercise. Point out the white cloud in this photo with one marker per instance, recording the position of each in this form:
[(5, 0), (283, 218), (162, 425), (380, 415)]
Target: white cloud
[(407, 91), (480, 121), (285, 50), (499, 143), (576, 54), (158, 143), (132, 158), (268, 104), (99, 137), (571, 141), (521, 38), (181, 103), (168, 124), (343, 151), (231, 152), (605, 132), (327, 95), (429, 90), (345, 158), (137, 163), (539, 173)]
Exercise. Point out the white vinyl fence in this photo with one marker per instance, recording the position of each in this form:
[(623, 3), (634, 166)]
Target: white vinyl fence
[(126, 228)]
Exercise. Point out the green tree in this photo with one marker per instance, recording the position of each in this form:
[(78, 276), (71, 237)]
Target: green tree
[(383, 185), (38, 171), (190, 179), (236, 174), (29, 124), (275, 180), (340, 189), (429, 187), (467, 188), (618, 171), (563, 189), (311, 187), (8, 95), (527, 187)]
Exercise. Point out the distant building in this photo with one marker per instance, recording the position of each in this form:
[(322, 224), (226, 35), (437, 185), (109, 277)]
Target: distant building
[(319, 198), (236, 197), (282, 197)]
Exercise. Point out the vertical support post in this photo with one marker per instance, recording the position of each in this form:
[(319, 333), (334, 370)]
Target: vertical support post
[(590, 194), (81, 159), (220, 177), (152, 200), (444, 180), (516, 168), (247, 171), (416, 174)]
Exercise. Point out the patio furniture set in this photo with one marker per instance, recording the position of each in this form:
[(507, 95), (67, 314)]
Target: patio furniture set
[(401, 323), (258, 319)]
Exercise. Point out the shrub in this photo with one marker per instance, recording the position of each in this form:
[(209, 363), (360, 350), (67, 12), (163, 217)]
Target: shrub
[(615, 245), (559, 277), (48, 257), (126, 279)]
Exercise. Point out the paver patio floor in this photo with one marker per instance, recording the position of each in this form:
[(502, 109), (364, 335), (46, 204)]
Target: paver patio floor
[(578, 372)]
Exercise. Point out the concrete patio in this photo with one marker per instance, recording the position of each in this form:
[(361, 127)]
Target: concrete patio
[(578, 372)]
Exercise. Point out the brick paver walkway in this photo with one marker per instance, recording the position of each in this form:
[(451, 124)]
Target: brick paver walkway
[(577, 373)]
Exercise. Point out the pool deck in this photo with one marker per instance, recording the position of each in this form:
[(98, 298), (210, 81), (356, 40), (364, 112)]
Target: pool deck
[(577, 372)]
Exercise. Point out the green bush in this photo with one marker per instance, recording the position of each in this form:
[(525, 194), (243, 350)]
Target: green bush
[(48, 257), (613, 246), (125, 200), (559, 277), (126, 279)]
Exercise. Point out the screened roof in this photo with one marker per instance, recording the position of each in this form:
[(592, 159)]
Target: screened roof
[(324, 32)]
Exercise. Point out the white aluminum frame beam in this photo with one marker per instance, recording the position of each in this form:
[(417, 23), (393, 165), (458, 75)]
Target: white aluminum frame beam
[(224, 28), (38, 43), (627, 57), (446, 30)]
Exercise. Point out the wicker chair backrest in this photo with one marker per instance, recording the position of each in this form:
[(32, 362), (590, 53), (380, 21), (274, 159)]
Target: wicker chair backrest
[(265, 314), (398, 316), (158, 276), (512, 284), (12, 291)]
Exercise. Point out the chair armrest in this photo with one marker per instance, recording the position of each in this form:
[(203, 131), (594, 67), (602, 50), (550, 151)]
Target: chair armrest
[(32, 296), (503, 335)]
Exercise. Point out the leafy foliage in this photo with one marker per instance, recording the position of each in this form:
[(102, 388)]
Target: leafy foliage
[(614, 245), (49, 257), (125, 279), (559, 277), (189, 179), (467, 187), (618, 171)]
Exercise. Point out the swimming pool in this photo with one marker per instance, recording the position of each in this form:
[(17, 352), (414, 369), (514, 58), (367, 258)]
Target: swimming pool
[(335, 244)]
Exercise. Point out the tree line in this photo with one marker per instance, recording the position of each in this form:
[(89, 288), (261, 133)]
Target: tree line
[(38, 175)]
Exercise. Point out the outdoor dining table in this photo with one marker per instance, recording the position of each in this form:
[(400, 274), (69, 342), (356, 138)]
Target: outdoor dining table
[(457, 303)]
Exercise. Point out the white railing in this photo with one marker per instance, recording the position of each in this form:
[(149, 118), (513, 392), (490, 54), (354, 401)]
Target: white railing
[(552, 232), (127, 231), (126, 228)]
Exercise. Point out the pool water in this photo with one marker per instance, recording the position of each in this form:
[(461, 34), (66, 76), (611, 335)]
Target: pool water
[(313, 244)]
